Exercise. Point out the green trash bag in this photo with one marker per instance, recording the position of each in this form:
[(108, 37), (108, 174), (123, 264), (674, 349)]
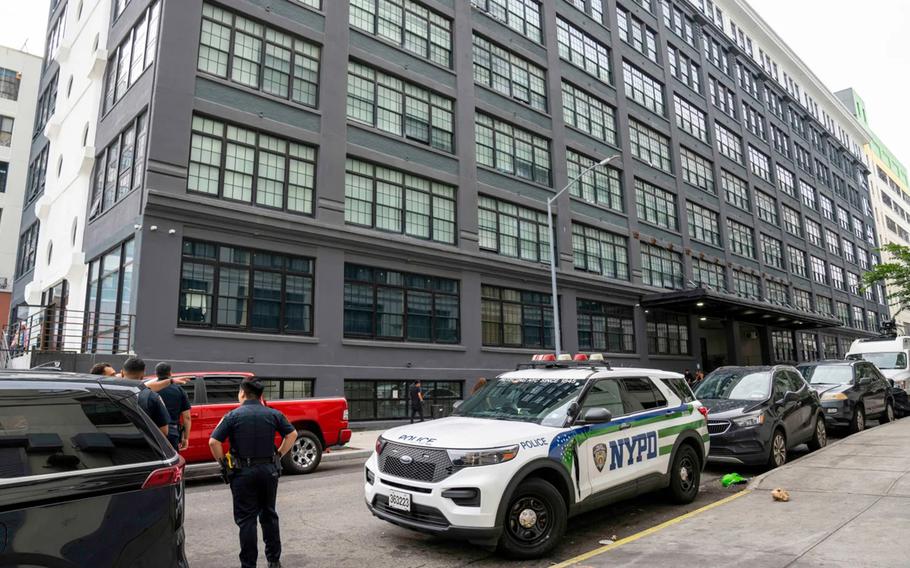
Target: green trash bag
[(732, 479)]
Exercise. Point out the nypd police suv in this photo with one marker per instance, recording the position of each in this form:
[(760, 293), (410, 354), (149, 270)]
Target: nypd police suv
[(537, 445)]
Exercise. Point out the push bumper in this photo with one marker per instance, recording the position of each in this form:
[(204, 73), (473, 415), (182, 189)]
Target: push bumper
[(472, 534)]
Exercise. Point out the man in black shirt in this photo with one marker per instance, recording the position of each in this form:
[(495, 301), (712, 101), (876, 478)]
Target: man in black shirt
[(178, 405), (415, 397), (149, 401)]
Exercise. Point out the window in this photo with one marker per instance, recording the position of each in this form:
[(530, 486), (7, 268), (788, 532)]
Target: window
[(803, 159), (863, 258), (655, 205), (635, 33), (729, 144), (746, 79), (715, 53), (258, 56), (680, 388), (780, 141), (683, 68), (824, 305), (234, 288), (238, 164), (833, 242), (511, 150), (829, 347), (588, 114), (853, 283), (696, 170), (849, 251), (772, 251), (819, 271), (400, 108), (814, 232), (827, 207), (746, 285), (802, 300), (736, 191), (857, 227), (639, 394), (742, 239), (408, 25), (678, 22), (859, 320), (600, 252), (759, 163), (808, 194), (709, 275), (775, 103), (767, 207), (605, 327), (650, 146), (754, 121), (281, 388), (722, 97), (37, 172), (600, 185), (777, 293), (808, 346), (6, 131), (27, 251), (516, 318), (785, 180), (843, 313), (593, 8), (660, 267), (109, 300), (583, 51), (643, 89), (783, 346), (398, 202), (690, 119), (393, 305), (120, 166), (47, 104), (703, 225), (512, 230), (132, 57), (9, 84), (388, 400), (792, 222), (668, 333), (837, 277), (523, 16), (4, 173), (509, 74)]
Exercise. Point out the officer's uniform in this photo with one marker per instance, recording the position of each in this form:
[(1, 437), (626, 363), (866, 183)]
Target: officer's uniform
[(176, 402), (251, 430), (151, 403)]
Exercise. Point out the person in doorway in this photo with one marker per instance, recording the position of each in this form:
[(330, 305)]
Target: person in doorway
[(415, 398), (149, 401), (178, 409), (103, 369)]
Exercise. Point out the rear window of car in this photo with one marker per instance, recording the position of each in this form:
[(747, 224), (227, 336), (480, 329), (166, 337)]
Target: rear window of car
[(680, 388), (286, 389), (640, 394), (45, 432), (220, 390)]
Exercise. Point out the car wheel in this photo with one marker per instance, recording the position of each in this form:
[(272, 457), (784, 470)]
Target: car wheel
[(685, 475), (534, 522), (820, 436), (888, 415), (778, 455), (305, 454), (858, 424)]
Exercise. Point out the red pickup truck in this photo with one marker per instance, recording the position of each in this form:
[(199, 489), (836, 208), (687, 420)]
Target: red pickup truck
[(320, 422)]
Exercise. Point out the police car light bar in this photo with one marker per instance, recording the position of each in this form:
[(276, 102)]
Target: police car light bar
[(566, 359)]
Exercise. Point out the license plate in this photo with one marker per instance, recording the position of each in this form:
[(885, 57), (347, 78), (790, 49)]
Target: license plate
[(400, 501)]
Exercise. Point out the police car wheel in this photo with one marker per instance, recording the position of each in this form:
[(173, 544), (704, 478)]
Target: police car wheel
[(685, 475), (534, 522), (305, 454)]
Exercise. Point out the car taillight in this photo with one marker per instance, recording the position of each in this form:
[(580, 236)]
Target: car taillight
[(166, 476), (344, 415), (704, 411)]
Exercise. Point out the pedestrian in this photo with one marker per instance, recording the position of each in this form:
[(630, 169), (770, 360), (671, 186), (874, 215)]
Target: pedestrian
[(149, 401), (178, 407), (699, 377), (687, 374), (253, 468), (481, 382), (415, 397), (103, 369)]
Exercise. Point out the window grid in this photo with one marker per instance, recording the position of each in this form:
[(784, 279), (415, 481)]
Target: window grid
[(37, 175), (819, 270), (660, 267), (406, 24), (754, 121), (785, 180), (797, 261), (792, 223), (703, 224), (746, 285), (780, 141), (772, 251), (588, 113), (809, 195), (742, 238), (511, 150), (728, 143), (837, 277), (523, 16), (602, 186), (722, 97), (583, 51), (777, 293), (678, 22), (655, 205), (600, 252), (120, 166), (607, 328), (513, 231), (637, 34), (814, 232), (27, 250), (683, 68), (709, 275), (697, 170), (736, 191), (516, 318), (509, 74), (643, 89), (759, 163), (833, 242), (9, 84), (690, 119), (802, 299), (133, 56), (668, 333), (767, 207), (650, 146)]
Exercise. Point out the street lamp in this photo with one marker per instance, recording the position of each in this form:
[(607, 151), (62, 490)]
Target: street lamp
[(556, 333)]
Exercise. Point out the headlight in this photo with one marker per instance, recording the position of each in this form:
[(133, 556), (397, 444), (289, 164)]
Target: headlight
[(834, 396), (380, 444), (491, 456), (750, 420)]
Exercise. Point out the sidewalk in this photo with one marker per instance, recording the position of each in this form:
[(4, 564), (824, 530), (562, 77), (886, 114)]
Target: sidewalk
[(359, 448), (849, 506)]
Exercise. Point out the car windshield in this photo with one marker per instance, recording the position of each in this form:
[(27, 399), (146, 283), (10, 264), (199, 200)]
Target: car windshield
[(542, 401), (827, 374), (887, 360), (737, 384)]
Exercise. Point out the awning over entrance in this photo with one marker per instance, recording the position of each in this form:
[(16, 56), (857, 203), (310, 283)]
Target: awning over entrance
[(714, 304)]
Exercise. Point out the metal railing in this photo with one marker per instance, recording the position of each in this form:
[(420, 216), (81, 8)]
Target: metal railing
[(50, 329)]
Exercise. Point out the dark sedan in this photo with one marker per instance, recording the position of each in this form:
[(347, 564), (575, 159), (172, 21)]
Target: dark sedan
[(757, 414), (850, 392)]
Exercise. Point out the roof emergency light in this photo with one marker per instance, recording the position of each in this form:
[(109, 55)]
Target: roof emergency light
[(580, 357), (596, 357), (564, 357)]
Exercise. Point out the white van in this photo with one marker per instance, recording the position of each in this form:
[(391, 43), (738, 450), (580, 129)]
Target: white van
[(890, 354)]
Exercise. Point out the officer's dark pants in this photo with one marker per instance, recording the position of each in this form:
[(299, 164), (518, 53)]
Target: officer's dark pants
[(174, 439), (254, 489), (416, 409)]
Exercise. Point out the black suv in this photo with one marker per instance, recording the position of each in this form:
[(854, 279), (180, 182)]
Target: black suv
[(757, 414), (85, 477), (850, 392)]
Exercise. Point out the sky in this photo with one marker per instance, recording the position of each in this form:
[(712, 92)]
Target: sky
[(846, 46)]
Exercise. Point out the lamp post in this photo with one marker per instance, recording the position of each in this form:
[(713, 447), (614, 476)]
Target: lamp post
[(557, 336)]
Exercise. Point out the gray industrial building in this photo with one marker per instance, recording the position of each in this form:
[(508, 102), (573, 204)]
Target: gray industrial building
[(353, 194)]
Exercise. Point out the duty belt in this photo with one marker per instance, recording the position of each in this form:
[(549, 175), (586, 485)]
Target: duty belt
[(247, 462)]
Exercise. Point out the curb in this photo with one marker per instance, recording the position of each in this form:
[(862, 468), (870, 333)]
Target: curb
[(347, 455)]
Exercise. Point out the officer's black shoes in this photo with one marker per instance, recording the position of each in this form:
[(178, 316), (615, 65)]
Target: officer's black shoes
[(276, 564)]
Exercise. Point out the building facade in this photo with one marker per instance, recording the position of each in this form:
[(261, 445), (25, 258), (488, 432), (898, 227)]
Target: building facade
[(244, 215), (890, 192)]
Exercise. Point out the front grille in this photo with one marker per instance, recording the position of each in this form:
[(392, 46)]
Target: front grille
[(427, 464), (421, 513), (715, 428)]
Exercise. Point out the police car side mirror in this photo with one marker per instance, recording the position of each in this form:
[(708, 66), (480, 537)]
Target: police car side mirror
[(573, 410), (597, 416)]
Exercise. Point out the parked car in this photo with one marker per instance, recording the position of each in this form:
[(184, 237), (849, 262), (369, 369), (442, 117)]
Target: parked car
[(889, 353), (320, 422), (757, 414), (850, 392), (85, 478)]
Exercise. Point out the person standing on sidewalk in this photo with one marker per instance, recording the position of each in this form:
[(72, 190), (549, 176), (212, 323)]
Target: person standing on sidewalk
[(149, 401), (178, 406), (415, 397)]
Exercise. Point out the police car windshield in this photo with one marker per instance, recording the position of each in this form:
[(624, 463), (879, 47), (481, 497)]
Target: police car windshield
[(541, 401), (735, 385)]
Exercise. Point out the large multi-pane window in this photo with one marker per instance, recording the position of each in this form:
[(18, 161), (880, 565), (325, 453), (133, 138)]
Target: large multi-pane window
[(696, 170), (859, 319), (843, 313), (783, 346), (780, 141), (239, 164), (388, 400), (235, 288), (777, 293), (588, 113), (509, 74), (853, 283), (767, 207), (785, 180), (400, 108), (6, 131), (829, 347), (797, 261), (759, 163), (808, 346), (792, 222), (722, 97), (833, 242), (600, 252), (600, 185), (736, 191), (849, 251), (825, 305), (47, 104), (605, 327), (668, 333), (37, 172), (27, 249), (742, 238), (661, 267), (257, 56), (120, 166), (593, 8), (407, 24), (655, 205), (843, 218), (814, 232), (523, 16), (728, 143), (709, 275), (637, 34), (399, 202), (690, 119), (772, 251), (511, 150), (108, 300), (754, 121), (516, 318), (676, 20), (802, 299), (401, 306), (9, 84), (512, 230), (827, 207), (643, 89), (809, 195), (747, 285), (650, 146), (683, 68), (837, 277), (582, 50), (703, 224), (133, 56)]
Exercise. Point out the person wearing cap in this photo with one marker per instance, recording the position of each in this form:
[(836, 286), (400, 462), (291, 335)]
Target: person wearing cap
[(255, 466), (178, 406)]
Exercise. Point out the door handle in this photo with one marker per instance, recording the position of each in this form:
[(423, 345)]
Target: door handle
[(194, 415), (625, 426)]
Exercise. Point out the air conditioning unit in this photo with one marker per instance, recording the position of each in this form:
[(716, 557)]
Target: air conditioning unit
[(4, 282)]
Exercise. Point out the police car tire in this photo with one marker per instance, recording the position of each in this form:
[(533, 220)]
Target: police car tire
[(684, 491), (544, 495), (292, 467)]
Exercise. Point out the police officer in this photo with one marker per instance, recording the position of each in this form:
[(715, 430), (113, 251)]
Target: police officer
[(256, 467), (149, 401), (178, 407)]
